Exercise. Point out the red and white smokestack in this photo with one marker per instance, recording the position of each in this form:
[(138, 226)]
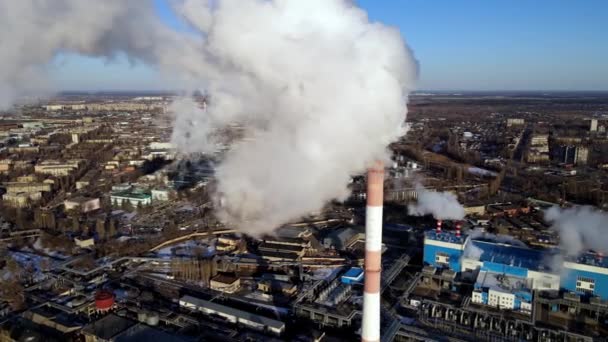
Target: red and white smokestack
[(370, 330), (458, 228), (600, 256), (439, 223)]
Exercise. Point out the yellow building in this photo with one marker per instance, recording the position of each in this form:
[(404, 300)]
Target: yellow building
[(225, 283), (57, 168), (21, 200), (19, 187)]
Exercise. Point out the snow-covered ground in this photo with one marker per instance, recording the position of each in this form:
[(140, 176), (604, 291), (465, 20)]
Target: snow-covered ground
[(124, 238), (326, 273), (55, 254), (482, 172), (30, 262), (259, 296), (188, 248)]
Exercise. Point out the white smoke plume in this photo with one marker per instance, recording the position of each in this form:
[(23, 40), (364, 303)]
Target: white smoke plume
[(34, 32), (479, 233), (579, 228), (320, 89), (473, 252), (442, 205)]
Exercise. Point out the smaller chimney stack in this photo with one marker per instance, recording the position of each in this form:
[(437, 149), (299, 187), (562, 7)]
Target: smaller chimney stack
[(439, 222), (600, 256), (458, 227)]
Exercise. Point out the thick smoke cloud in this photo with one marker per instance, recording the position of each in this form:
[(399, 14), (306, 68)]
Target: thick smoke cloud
[(442, 205), (33, 32), (579, 228), (320, 89)]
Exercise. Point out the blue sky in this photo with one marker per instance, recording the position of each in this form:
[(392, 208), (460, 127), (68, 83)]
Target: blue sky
[(461, 45)]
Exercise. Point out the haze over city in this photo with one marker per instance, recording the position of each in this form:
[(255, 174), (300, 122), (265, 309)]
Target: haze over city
[(289, 170), (474, 45)]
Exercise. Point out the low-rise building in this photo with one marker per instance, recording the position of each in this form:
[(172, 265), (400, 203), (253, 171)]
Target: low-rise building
[(475, 210), (135, 197), (275, 286), (83, 204), (503, 291), (160, 194), (22, 199), (84, 242), (57, 168), (227, 243), (20, 187), (515, 122), (235, 316), (353, 276), (227, 283), (5, 165)]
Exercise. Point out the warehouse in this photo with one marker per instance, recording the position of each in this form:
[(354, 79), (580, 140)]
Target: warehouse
[(232, 315)]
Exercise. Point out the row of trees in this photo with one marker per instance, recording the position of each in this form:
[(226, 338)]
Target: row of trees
[(199, 270)]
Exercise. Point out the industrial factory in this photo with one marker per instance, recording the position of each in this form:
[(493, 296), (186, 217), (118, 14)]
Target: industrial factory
[(486, 257), (502, 276)]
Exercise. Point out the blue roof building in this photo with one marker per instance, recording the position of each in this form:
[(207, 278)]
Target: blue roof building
[(443, 250), (503, 291), (586, 275), (353, 276)]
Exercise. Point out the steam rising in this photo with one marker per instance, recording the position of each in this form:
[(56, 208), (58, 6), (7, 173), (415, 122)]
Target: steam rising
[(579, 228), (442, 205), (320, 90), (473, 252), (35, 31)]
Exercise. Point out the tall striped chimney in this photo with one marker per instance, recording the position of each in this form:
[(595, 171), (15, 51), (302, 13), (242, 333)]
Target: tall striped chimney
[(370, 330), (458, 228), (439, 223)]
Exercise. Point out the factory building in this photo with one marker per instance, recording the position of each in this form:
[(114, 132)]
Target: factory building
[(235, 316), (503, 291), (444, 250), (505, 272), (353, 276), (586, 275), (510, 259)]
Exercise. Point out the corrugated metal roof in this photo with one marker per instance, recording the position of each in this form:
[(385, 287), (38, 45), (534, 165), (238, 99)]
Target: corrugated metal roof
[(233, 312), (512, 255)]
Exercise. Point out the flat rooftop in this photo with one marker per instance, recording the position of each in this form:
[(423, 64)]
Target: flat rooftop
[(226, 310), (513, 255), (502, 283), (591, 259), (108, 327), (445, 236), (353, 272)]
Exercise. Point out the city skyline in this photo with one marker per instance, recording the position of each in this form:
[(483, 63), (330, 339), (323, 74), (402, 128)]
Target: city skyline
[(491, 46), (272, 170)]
